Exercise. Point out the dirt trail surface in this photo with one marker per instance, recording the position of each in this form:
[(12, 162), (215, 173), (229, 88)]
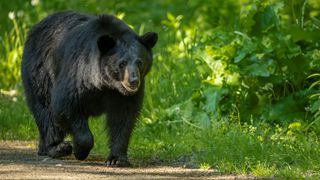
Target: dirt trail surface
[(18, 160)]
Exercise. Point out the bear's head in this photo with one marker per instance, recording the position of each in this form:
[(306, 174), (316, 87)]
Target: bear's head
[(125, 57)]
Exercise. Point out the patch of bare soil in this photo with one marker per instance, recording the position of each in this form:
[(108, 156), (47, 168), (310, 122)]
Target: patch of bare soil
[(19, 160)]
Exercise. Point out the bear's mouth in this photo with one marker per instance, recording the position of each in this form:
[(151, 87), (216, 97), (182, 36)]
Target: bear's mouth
[(128, 88)]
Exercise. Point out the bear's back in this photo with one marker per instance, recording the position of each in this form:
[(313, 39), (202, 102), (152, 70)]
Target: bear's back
[(46, 35), (38, 69)]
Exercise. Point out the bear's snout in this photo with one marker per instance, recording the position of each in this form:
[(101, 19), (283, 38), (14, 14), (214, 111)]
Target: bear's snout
[(134, 82), (131, 80)]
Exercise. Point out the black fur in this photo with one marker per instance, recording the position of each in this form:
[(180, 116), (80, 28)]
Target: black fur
[(78, 65)]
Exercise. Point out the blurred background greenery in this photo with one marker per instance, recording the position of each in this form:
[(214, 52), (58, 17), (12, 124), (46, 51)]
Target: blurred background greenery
[(234, 85)]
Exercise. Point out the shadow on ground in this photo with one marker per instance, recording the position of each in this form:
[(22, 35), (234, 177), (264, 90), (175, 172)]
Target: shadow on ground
[(18, 160)]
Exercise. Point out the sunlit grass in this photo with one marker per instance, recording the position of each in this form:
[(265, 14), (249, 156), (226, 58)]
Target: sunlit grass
[(15, 119)]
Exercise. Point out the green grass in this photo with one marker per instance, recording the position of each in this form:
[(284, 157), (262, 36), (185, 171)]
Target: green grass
[(260, 150), (16, 121), (228, 88)]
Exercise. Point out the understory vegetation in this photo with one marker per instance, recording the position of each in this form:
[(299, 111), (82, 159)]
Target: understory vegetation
[(234, 85)]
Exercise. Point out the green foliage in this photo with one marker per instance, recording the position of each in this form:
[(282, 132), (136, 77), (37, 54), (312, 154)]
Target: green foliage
[(260, 69), (10, 55), (315, 104), (234, 84)]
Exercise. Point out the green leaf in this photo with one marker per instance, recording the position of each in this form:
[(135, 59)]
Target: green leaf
[(299, 34), (212, 99), (247, 48), (261, 68), (288, 109), (294, 125), (187, 109), (315, 107), (265, 20), (203, 119)]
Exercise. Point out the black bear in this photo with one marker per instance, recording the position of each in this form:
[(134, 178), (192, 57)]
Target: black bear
[(78, 65)]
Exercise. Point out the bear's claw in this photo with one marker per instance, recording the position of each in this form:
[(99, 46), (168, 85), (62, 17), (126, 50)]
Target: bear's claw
[(114, 161), (62, 149)]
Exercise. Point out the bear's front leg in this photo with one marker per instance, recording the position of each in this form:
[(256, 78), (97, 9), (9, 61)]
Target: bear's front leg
[(82, 138), (78, 126), (66, 105), (121, 124)]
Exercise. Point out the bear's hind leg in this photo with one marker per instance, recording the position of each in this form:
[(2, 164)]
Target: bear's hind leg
[(51, 136), (40, 115), (42, 150)]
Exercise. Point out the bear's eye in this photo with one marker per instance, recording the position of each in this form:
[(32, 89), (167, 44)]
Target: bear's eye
[(123, 64), (106, 43)]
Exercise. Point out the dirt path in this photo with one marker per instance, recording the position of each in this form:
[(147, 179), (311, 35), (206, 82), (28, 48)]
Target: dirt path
[(18, 160)]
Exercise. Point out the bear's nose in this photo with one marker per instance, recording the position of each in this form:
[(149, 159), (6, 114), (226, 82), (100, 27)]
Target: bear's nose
[(134, 82)]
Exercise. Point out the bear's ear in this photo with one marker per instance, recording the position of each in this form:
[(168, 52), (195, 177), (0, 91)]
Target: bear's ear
[(149, 39), (106, 43)]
